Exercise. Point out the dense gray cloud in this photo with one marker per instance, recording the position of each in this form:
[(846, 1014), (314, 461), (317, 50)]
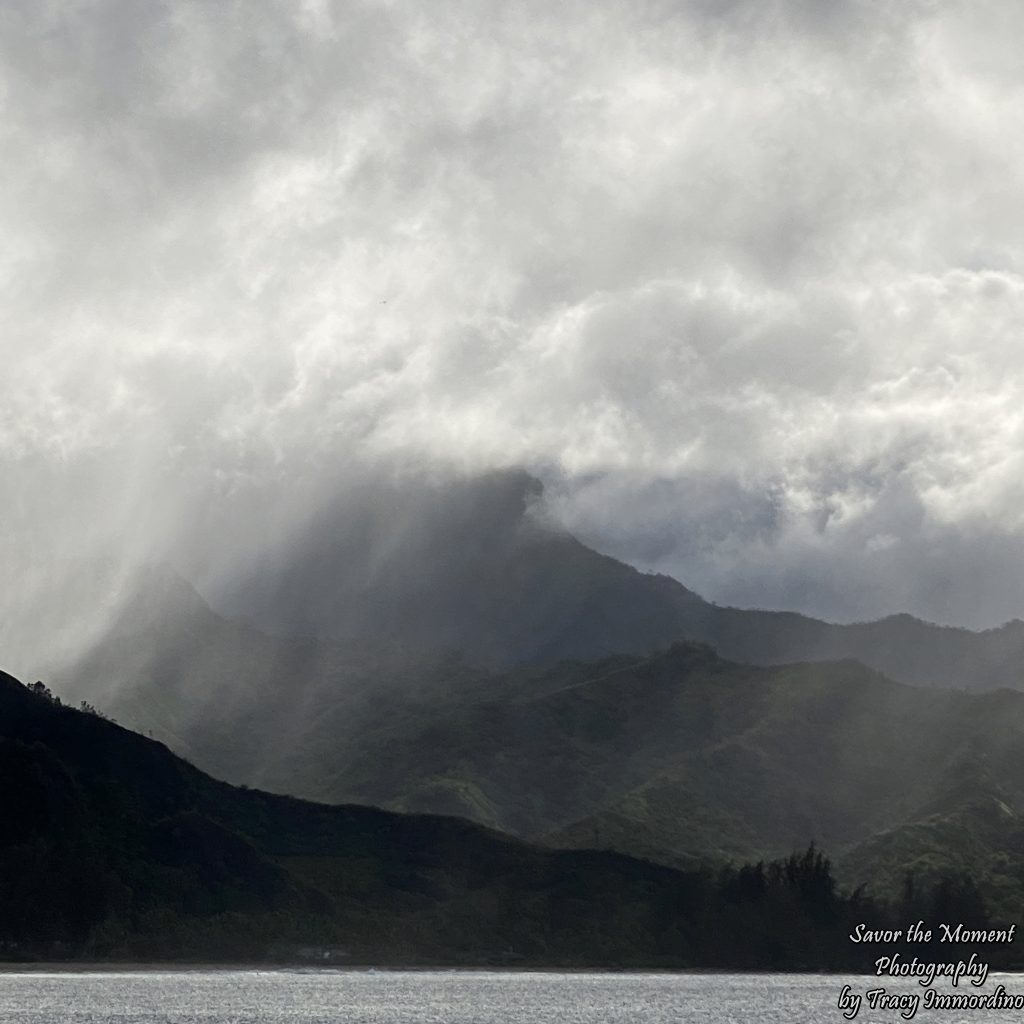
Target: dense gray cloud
[(741, 281)]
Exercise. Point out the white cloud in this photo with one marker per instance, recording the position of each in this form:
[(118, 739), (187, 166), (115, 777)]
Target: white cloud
[(742, 280)]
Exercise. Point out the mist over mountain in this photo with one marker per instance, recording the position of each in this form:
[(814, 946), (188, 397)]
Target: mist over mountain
[(476, 566), (334, 647), (538, 708)]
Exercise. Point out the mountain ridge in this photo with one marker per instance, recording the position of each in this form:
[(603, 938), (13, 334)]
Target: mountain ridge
[(534, 595)]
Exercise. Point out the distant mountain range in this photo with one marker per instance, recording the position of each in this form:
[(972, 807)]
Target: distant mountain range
[(530, 697), (476, 573)]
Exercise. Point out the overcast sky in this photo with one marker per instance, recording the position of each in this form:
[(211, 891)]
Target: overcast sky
[(740, 280)]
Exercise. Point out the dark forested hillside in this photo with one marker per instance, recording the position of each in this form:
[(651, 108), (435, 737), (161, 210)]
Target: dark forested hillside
[(110, 846), (682, 757)]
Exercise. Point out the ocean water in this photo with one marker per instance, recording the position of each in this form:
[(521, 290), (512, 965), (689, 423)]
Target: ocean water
[(447, 997)]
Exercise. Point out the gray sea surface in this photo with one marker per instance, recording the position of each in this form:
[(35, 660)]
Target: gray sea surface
[(112, 996)]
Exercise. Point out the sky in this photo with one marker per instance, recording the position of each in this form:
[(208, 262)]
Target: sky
[(739, 282)]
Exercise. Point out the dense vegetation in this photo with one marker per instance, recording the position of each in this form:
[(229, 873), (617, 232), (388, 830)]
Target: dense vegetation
[(685, 758), (680, 757), (110, 846)]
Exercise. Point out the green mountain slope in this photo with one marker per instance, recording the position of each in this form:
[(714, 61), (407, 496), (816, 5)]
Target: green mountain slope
[(686, 758), (110, 846)]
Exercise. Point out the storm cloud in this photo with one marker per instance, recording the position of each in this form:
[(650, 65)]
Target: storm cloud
[(742, 283)]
